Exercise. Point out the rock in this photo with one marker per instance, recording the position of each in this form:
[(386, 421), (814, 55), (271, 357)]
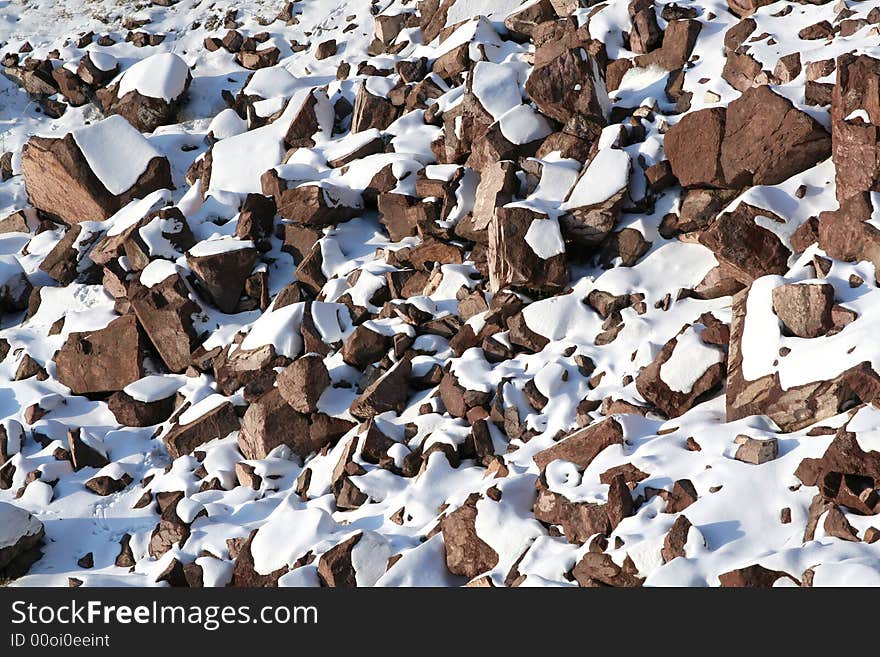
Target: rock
[(682, 374), (389, 392), (269, 422), (320, 204), (82, 454), (750, 577), (165, 311), (104, 485), (21, 536), (466, 553), (693, 147), (130, 412), (371, 111), (742, 71), (597, 198), (522, 22), (756, 451), (679, 39), (581, 520), (60, 181), (183, 439), (94, 75), (676, 538), (171, 530), (100, 361), (804, 309), (746, 249), (325, 49), (568, 87), (682, 496), (245, 575), (717, 147), (745, 8), (149, 94), (582, 446), (795, 407), (335, 565), (785, 140), (856, 152), (845, 474), (525, 250), (838, 526), (222, 270), (598, 569), (302, 383), (257, 59), (364, 346)]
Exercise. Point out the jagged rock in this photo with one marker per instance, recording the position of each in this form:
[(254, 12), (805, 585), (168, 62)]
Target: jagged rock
[(466, 553), (685, 370), (718, 147), (805, 309), (21, 536), (183, 439), (150, 92), (389, 392), (745, 248), (302, 383), (131, 412), (797, 406), (222, 269), (61, 181), (165, 311), (582, 446), (525, 250), (581, 520), (245, 575), (106, 360)]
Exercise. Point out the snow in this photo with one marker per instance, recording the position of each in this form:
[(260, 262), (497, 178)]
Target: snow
[(212, 247), (157, 271), (162, 75), (545, 238), (15, 523), (496, 87), (153, 388), (690, 359), (521, 125), (604, 176), (102, 60), (116, 152)]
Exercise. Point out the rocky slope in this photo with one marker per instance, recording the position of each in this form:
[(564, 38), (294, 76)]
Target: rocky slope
[(436, 293)]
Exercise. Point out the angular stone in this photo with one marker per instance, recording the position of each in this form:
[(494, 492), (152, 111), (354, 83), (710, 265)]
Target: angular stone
[(805, 309), (582, 446), (183, 439), (222, 274), (303, 381), (60, 182), (165, 311), (466, 553), (105, 360)]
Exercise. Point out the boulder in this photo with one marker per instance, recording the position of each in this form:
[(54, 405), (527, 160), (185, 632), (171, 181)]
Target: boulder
[(21, 536), (93, 171), (685, 371), (526, 250), (183, 438), (805, 308), (466, 553), (222, 267), (149, 94), (101, 361)]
